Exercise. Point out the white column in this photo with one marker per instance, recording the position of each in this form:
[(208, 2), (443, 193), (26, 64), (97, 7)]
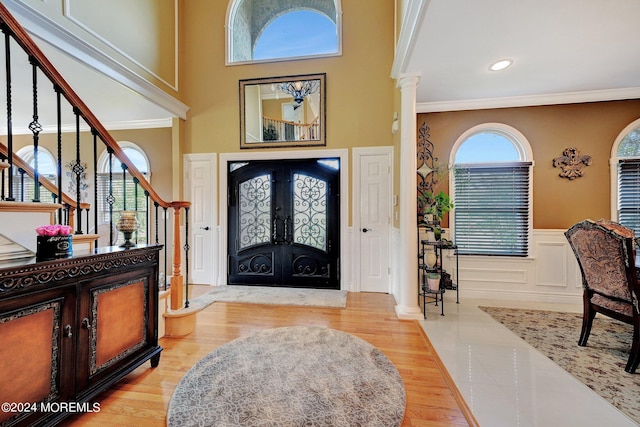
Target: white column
[(407, 307)]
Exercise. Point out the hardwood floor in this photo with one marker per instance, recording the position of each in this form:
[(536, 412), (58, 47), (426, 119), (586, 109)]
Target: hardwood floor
[(142, 398)]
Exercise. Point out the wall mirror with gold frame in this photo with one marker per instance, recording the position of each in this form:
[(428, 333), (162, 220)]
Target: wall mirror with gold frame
[(284, 111)]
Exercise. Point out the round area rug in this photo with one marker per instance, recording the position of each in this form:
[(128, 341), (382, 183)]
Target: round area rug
[(292, 376)]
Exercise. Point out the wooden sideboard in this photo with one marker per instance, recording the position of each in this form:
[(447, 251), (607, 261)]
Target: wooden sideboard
[(70, 328)]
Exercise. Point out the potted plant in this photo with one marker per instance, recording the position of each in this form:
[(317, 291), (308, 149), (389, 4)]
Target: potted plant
[(441, 204), (434, 207)]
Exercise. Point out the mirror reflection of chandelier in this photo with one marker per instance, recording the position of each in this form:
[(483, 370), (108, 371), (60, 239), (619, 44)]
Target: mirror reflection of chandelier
[(299, 89)]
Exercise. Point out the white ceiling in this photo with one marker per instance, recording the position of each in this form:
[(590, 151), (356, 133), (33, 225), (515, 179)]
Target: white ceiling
[(563, 51)]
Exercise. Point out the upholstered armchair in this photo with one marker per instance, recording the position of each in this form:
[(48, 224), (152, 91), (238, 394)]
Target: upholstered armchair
[(606, 255)]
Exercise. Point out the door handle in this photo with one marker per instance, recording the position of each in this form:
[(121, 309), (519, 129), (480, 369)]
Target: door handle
[(205, 228), (364, 230)]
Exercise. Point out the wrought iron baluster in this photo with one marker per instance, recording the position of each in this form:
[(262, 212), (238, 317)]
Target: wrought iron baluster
[(59, 147), (124, 186), (147, 217), (35, 128), (156, 204), (110, 198), (78, 170), (3, 175), (136, 181), (95, 183), (21, 172), (7, 56)]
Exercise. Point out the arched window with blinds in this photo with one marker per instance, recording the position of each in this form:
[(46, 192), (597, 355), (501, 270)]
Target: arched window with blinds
[(627, 158), (117, 191), (492, 191)]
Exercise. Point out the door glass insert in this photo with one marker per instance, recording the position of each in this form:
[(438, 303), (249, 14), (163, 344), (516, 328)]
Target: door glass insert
[(255, 211), (310, 211)]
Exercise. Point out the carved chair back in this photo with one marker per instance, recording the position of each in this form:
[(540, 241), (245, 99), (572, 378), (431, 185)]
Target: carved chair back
[(605, 252)]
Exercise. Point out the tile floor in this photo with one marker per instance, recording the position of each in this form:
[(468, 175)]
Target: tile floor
[(506, 382)]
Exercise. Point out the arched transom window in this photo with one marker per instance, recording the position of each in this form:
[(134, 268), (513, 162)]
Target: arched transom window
[(270, 30)]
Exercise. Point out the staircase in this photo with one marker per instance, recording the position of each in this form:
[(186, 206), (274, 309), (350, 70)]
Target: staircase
[(21, 217)]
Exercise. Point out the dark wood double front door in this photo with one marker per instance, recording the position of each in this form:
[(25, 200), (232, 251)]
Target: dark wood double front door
[(284, 223)]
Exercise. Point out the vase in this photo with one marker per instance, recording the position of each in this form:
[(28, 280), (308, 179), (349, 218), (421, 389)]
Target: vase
[(53, 247), (127, 224), (431, 259)]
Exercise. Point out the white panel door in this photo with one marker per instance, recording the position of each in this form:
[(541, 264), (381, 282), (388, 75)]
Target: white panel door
[(200, 170), (375, 221)]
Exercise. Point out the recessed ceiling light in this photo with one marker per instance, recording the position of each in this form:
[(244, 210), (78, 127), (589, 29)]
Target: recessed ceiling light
[(501, 64)]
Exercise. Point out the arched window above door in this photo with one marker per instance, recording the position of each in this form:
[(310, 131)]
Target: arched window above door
[(275, 30)]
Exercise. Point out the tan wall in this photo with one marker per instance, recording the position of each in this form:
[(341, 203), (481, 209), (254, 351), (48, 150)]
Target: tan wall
[(592, 128), (359, 90), (141, 34)]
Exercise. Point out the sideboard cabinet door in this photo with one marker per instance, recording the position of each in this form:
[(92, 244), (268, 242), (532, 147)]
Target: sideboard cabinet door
[(36, 352), (117, 326)]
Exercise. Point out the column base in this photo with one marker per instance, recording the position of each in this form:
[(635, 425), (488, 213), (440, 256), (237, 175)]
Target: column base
[(409, 313)]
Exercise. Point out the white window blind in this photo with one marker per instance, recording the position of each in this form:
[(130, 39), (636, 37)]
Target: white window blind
[(629, 194), (492, 208)]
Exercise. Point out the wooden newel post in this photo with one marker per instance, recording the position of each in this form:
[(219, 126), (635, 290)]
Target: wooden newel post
[(177, 282)]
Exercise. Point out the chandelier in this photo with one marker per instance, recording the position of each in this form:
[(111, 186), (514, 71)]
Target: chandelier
[(299, 89)]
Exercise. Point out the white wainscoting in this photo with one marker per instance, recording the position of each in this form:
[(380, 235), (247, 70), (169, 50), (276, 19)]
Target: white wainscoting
[(549, 274)]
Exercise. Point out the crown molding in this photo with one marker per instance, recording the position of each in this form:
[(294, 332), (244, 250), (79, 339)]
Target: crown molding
[(530, 100), (60, 38), (408, 32)]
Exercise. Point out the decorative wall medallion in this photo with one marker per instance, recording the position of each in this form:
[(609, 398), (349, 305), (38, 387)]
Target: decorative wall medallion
[(571, 163)]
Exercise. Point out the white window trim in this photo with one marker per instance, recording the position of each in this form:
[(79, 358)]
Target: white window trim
[(103, 159), (613, 167), (26, 154), (525, 153)]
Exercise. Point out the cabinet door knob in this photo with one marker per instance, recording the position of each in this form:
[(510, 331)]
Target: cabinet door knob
[(67, 331), (85, 323)]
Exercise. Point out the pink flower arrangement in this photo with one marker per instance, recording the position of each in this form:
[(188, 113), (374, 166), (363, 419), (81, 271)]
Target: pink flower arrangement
[(54, 230)]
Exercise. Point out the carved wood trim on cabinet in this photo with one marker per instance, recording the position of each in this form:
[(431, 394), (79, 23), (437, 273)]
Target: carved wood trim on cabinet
[(73, 327)]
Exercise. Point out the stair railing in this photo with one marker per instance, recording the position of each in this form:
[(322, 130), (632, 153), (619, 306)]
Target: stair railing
[(15, 33)]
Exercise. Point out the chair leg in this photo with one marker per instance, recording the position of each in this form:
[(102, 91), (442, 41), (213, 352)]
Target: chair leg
[(634, 357), (587, 320)]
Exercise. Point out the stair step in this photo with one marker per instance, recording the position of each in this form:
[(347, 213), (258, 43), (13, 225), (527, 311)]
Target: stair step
[(29, 207), (88, 239)]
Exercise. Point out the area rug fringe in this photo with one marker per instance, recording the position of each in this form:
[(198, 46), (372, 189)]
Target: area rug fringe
[(599, 365)]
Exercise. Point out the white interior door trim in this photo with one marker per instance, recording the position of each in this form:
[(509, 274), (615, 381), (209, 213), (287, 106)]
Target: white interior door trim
[(359, 152), (212, 205), (342, 154)]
